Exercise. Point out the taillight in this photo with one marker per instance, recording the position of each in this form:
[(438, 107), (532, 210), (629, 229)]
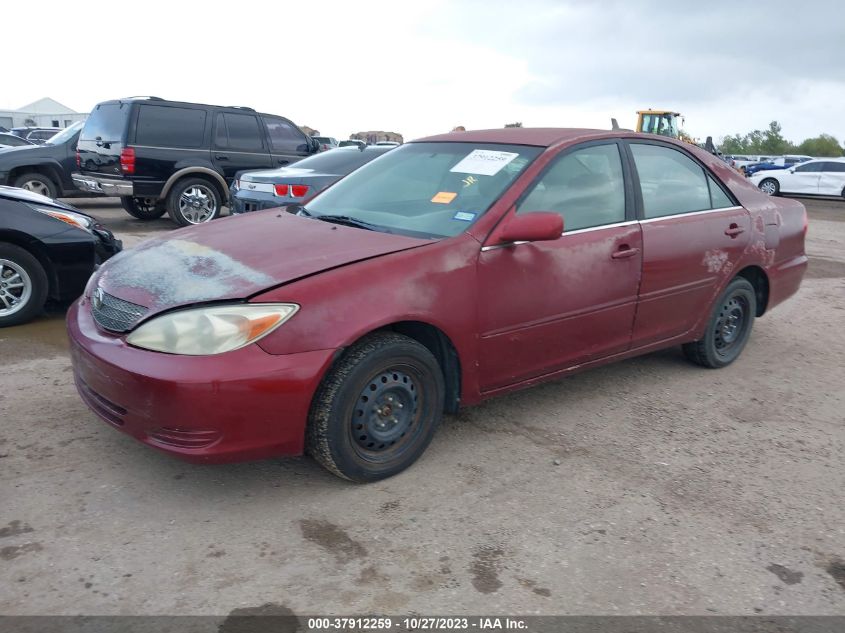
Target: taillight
[(294, 191), (127, 160), (78, 160), (806, 222)]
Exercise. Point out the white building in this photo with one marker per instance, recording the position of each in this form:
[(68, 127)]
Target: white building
[(45, 112)]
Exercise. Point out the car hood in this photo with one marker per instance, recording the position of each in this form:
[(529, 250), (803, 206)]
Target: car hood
[(238, 257)]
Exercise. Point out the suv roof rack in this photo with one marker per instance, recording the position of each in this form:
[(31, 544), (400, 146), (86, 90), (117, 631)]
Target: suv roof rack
[(145, 97), (241, 108)]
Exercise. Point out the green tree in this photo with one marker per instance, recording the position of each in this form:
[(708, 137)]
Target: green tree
[(772, 141), (821, 145)]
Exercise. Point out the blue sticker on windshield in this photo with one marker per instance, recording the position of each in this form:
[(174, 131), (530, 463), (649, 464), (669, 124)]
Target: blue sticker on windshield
[(464, 216)]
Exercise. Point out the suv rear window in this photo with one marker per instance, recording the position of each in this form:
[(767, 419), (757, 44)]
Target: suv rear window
[(170, 127), (107, 121)]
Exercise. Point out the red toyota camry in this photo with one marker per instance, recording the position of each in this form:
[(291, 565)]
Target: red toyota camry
[(447, 271)]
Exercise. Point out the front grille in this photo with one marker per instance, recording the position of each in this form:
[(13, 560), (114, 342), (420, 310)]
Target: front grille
[(115, 314)]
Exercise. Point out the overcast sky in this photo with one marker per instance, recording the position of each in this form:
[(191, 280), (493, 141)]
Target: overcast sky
[(423, 67)]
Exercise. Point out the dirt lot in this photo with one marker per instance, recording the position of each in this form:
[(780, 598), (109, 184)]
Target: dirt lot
[(650, 486)]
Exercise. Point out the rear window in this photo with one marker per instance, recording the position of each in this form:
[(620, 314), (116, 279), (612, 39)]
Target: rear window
[(170, 127), (338, 161), (107, 121)]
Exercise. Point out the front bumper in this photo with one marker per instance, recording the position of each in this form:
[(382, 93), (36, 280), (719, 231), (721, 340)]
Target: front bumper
[(107, 186), (241, 405)]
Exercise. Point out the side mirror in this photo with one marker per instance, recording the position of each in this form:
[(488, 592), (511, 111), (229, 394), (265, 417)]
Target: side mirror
[(538, 226)]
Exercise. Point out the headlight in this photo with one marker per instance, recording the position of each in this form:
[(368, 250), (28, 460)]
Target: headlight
[(69, 217), (236, 185), (211, 330)]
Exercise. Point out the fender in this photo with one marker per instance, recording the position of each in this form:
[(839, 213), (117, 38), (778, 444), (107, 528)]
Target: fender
[(186, 171)]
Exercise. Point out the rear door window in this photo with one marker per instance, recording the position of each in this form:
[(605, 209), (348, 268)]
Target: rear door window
[(239, 132), (671, 182), (718, 198), (837, 167), (284, 136), (167, 126)]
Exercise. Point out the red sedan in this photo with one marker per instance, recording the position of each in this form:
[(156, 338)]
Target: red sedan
[(448, 271)]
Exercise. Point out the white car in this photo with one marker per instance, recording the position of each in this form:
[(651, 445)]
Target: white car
[(817, 177)]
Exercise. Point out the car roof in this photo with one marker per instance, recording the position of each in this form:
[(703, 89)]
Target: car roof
[(160, 101), (539, 136)]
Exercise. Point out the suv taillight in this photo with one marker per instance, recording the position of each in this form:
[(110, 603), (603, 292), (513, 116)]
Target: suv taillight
[(127, 160)]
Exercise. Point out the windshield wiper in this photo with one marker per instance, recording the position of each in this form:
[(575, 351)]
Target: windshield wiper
[(348, 220)]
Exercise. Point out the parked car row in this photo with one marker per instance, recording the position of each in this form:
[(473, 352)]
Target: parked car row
[(816, 177)]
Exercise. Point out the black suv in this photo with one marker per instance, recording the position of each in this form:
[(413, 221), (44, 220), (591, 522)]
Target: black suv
[(178, 157)]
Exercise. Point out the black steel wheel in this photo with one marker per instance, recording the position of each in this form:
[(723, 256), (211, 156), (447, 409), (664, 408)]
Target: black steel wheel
[(729, 327), (377, 409), (143, 208)]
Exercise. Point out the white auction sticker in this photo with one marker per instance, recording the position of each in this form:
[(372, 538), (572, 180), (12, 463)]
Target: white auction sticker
[(484, 162)]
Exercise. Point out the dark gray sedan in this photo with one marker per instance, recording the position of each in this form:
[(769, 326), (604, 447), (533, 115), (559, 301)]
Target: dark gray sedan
[(255, 190)]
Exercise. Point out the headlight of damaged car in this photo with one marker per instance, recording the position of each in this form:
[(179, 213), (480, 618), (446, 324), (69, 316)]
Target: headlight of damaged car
[(211, 329), (68, 217)]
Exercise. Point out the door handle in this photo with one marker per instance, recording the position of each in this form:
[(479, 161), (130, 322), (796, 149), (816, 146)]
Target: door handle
[(733, 230), (221, 157), (282, 161), (624, 252)]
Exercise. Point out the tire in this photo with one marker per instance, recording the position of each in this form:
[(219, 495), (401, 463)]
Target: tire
[(37, 183), (377, 409), (728, 328), (23, 285), (143, 208), (769, 186), (194, 201)]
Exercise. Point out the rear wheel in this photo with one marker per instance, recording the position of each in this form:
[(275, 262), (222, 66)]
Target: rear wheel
[(377, 409), (728, 329), (194, 201), (23, 285), (143, 208), (37, 183), (770, 186)]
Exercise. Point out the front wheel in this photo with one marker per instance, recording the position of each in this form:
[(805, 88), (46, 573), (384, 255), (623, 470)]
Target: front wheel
[(770, 186), (194, 201), (728, 329), (143, 208), (37, 183), (377, 409), (23, 285)]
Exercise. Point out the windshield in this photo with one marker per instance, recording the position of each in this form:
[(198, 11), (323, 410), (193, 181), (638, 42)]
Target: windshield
[(426, 189), (60, 137)]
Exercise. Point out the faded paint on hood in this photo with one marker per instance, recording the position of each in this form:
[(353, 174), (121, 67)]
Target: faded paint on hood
[(235, 258)]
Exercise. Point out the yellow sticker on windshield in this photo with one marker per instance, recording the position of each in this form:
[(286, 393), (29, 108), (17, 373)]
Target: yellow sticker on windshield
[(444, 197)]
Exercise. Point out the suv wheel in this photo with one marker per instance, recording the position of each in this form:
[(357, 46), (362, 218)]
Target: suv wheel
[(194, 201), (37, 183), (143, 208)]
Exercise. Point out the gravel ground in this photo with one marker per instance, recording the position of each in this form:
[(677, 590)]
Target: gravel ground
[(646, 487)]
